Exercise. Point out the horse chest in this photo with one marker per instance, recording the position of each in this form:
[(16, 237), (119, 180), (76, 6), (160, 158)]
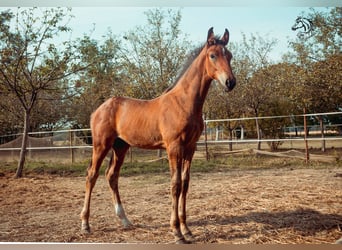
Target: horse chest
[(191, 130)]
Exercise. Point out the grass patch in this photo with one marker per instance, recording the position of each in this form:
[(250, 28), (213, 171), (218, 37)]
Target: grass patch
[(44, 168), (140, 168), (220, 164)]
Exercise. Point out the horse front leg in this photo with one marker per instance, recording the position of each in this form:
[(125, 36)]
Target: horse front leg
[(90, 183), (175, 161), (185, 178), (99, 154)]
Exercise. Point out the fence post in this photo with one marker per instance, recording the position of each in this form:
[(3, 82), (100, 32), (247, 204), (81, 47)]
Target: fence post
[(205, 140), (258, 132), (131, 155), (71, 139), (159, 153), (305, 138)]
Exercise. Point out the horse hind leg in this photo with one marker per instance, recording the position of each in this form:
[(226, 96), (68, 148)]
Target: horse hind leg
[(120, 148)]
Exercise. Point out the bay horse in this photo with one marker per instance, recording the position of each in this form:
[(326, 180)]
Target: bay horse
[(172, 121)]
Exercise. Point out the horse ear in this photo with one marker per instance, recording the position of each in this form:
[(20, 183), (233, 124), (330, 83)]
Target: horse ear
[(211, 38), (225, 37)]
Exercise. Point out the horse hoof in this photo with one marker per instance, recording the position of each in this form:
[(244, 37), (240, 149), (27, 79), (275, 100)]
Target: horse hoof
[(183, 241), (128, 226), (189, 237), (85, 228)]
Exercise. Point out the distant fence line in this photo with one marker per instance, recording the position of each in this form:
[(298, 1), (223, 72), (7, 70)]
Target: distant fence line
[(273, 117), (76, 143)]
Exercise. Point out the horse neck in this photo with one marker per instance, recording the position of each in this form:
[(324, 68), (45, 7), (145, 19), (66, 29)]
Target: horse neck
[(193, 86)]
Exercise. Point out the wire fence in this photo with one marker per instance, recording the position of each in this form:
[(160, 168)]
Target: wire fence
[(276, 133)]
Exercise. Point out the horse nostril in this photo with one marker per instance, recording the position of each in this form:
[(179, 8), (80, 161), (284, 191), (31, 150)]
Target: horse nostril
[(230, 84)]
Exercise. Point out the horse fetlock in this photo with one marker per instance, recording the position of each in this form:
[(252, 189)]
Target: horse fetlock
[(120, 212)]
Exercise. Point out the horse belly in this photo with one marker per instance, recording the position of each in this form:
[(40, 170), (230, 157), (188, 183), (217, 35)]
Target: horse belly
[(137, 123), (141, 134), (143, 141)]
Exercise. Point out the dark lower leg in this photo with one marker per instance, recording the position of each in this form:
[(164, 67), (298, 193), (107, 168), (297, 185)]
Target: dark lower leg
[(119, 150), (175, 169), (182, 199)]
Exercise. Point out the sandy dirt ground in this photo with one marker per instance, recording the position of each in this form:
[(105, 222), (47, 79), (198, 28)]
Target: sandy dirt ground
[(240, 206)]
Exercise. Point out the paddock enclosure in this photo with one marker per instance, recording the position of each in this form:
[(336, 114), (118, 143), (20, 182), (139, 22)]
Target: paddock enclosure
[(284, 205)]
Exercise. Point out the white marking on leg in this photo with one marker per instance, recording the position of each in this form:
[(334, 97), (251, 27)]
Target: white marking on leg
[(120, 212)]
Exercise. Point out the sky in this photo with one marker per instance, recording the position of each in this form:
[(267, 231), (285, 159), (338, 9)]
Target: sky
[(270, 20)]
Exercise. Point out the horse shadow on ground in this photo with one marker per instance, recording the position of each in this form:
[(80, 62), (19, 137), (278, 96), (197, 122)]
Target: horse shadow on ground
[(304, 221)]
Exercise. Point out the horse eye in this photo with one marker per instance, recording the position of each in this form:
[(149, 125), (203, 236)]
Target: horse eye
[(212, 56)]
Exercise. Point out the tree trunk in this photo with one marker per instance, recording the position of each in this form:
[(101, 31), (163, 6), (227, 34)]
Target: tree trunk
[(23, 150), (258, 132), (230, 135)]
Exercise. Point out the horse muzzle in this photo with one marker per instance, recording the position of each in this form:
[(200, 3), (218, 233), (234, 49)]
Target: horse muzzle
[(230, 84)]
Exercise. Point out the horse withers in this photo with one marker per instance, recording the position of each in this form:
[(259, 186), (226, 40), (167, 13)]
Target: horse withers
[(172, 121)]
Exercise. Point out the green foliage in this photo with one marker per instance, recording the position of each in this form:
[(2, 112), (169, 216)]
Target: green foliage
[(319, 78), (33, 66), (101, 79), (326, 39)]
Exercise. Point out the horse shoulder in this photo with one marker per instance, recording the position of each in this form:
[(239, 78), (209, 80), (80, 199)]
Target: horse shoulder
[(177, 123)]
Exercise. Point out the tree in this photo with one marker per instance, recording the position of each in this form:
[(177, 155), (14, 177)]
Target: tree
[(278, 80), (142, 63), (31, 63), (251, 93), (223, 105), (319, 57), (325, 39), (252, 56), (153, 54), (101, 80)]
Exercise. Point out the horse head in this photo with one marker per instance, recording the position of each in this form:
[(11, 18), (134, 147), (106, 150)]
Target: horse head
[(298, 24), (218, 59)]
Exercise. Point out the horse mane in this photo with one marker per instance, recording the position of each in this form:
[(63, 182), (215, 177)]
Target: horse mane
[(190, 58)]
